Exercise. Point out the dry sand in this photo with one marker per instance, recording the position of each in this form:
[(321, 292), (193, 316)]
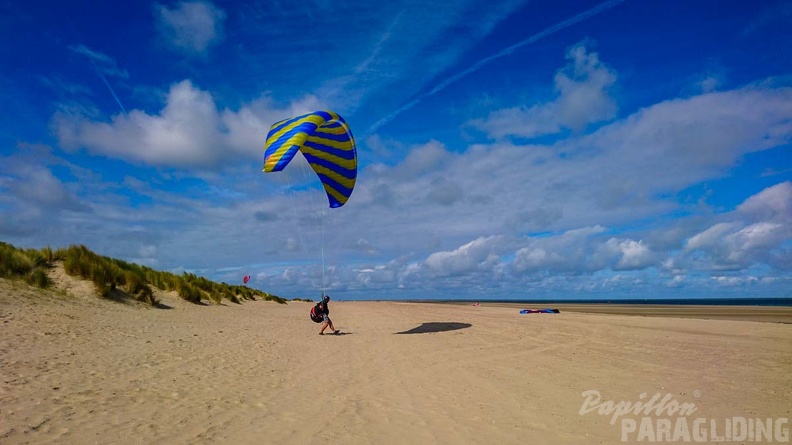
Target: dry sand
[(76, 370)]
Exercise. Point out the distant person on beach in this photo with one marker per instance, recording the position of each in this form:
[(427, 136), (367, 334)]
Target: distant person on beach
[(324, 311)]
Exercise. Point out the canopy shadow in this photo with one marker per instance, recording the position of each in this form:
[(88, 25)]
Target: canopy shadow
[(436, 327)]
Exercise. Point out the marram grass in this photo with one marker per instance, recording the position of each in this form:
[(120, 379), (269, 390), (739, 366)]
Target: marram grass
[(111, 275)]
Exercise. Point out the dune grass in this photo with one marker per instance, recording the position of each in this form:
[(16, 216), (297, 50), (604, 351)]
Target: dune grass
[(29, 265), (111, 275)]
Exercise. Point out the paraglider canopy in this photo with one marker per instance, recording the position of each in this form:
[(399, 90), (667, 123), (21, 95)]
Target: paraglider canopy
[(324, 138), (246, 279)]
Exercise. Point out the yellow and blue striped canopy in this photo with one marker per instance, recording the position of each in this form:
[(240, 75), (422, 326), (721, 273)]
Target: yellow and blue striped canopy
[(325, 140)]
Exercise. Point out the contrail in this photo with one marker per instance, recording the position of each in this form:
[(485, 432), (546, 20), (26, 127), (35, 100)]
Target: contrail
[(102, 63), (504, 52), (111, 91)]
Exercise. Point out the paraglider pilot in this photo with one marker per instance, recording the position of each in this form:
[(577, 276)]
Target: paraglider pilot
[(325, 312)]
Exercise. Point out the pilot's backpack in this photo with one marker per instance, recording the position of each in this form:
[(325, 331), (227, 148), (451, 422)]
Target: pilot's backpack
[(316, 315)]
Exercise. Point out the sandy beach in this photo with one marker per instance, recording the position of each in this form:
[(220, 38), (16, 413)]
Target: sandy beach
[(75, 369)]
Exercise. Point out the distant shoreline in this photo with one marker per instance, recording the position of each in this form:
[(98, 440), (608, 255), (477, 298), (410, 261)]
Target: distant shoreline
[(765, 301), (709, 310)]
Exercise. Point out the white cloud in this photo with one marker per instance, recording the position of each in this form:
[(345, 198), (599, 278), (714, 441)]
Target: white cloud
[(759, 235), (245, 130), (771, 204), (188, 132), (632, 254), (38, 190), (476, 255), (425, 158), (571, 251), (696, 138), (676, 281), (191, 27), (185, 133), (731, 281), (761, 227), (711, 237), (583, 250), (32, 197), (608, 178), (583, 99)]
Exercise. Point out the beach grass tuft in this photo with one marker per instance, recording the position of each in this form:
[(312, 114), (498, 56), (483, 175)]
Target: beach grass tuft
[(28, 265), (111, 276)]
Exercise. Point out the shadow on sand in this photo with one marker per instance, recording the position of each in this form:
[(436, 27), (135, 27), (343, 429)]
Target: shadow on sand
[(436, 327), (119, 296)]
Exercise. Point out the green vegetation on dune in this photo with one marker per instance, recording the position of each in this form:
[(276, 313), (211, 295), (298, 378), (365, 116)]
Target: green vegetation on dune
[(28, 265), (110, 275)]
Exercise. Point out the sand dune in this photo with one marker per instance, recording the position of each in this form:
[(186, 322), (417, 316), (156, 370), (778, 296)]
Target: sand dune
[(80, 370)]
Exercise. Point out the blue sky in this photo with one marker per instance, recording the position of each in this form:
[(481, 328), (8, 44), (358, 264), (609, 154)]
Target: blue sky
[(507, 149)]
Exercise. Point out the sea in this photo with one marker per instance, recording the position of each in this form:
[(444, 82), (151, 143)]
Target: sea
[(780, 301)]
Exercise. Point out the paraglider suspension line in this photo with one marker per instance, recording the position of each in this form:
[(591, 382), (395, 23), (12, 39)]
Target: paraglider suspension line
[(324, 283)]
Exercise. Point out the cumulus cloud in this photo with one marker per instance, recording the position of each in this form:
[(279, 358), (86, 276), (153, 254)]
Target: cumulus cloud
[(711, 237), (188, 132), (583, 98), (771, 204), (244, 129), (46, 200), (760, 235), (573, 189), (29, 189), (630, 254), (676, 281), (735, 281), (577, 250), (42, 189), (740, 244), (696, 138), (190, 27), (759, 230), (425, 158), (583, 250), (479, 254)]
